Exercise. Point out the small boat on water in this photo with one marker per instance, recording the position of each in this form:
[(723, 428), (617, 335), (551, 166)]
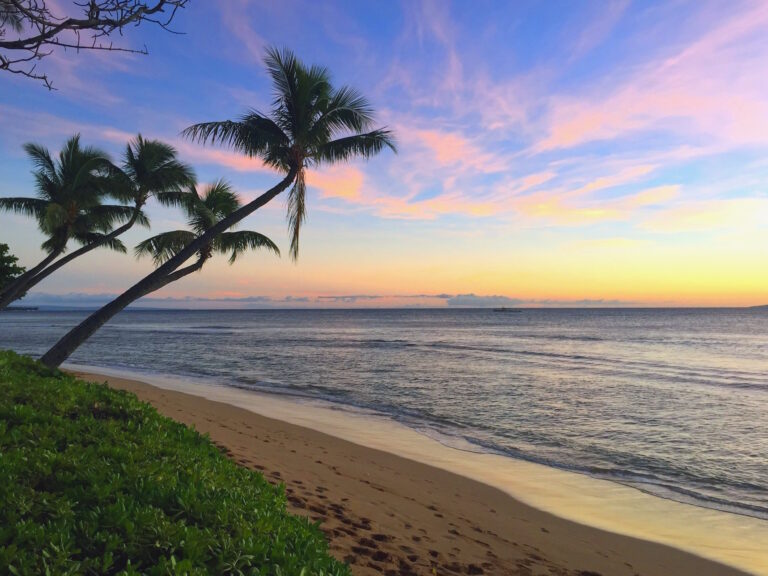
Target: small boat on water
[(505, 309)]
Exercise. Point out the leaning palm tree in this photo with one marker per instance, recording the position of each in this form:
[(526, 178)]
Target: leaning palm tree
[(149, 167), (68, 205), (311, 123), (203, 211)]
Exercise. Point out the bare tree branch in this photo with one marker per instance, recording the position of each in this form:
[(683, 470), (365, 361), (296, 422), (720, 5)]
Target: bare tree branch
[(29, 31)]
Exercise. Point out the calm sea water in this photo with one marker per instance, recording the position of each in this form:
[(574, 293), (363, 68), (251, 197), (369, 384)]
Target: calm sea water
[(674, 402)]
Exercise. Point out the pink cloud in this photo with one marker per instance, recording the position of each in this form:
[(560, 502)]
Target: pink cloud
[(562, 209), (225, 158), (432, 18), (51, 130), (452, 152), (531, 181), (345, 182), (599, 27), (555, 210), (394, 207), (653, 196), (707, 89), (235, 15), (624, 176), (452, 149)]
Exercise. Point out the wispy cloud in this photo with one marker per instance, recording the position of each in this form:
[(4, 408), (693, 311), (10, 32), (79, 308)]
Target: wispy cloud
[(602, 22), (705, 89), (697, 216), (345, 182), (237, 16)]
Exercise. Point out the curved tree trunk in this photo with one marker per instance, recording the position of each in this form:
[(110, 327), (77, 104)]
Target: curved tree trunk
[(18, 286), (47, 271), (64, 348), (179, 274)]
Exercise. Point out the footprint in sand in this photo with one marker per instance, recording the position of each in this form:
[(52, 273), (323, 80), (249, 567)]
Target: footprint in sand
[(381, 537), (381, 556)]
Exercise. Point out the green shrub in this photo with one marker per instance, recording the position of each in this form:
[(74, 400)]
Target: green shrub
[(93, 481)]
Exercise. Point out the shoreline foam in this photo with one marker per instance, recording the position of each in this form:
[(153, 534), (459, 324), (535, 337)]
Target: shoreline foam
[(732, 539)]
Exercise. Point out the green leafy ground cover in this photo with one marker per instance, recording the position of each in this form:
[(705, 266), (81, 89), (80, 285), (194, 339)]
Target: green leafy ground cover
[(93, 481)]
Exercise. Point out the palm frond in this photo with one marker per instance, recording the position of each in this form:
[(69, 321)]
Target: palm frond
[(119, 185), (363, 145), (297, 212), (55, 242), (104, 217), (41, 158), (115, 244), (252, 134), (313, 92), (27, 206), (239, 242), (105, 242), (165, 246), (153, 167), (49, 189), (56, 220), (201, 217), (217, 201), (177, 198), (282, 66), (220, 199), (346, 110), (142, 219), (91, 180), (80, 169)]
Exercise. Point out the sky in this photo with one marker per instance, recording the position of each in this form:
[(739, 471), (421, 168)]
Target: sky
[(549, 153)]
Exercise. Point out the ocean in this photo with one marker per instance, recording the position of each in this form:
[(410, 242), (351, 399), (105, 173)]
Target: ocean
[(673, 402)]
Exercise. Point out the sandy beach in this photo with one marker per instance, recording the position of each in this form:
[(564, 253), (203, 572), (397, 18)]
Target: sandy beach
[(385, 514)]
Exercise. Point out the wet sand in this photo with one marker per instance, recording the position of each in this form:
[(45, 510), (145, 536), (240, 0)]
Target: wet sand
[(384, 514)]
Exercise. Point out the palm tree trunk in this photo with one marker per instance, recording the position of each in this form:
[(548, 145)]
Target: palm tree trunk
[(179, 274), (14, 290), (64, 348), (47, 271), (53, 358)]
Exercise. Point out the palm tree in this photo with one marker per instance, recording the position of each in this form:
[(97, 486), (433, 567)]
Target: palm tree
[(68, 205), (203, 212), (311, 123), (149, 167)]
